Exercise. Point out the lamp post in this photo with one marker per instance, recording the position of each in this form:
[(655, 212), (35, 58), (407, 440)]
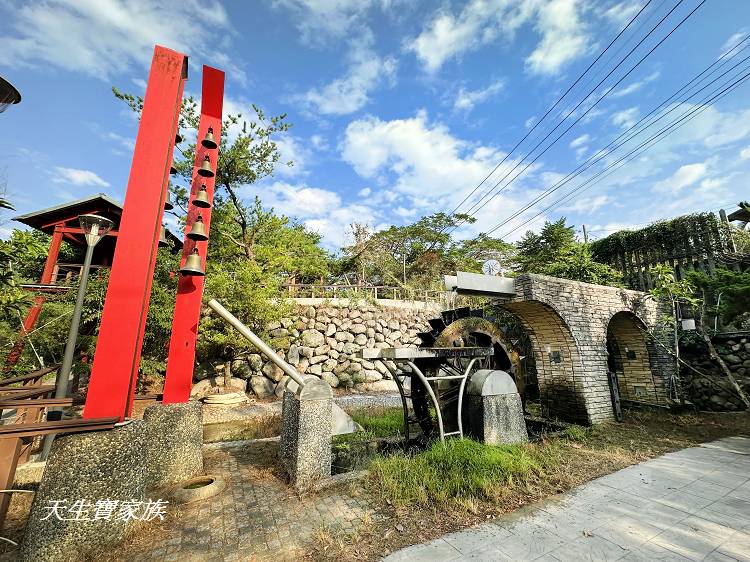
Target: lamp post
[(94, 229)]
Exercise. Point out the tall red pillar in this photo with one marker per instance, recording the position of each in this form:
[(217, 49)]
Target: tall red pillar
[(118, 350), (190, 288)]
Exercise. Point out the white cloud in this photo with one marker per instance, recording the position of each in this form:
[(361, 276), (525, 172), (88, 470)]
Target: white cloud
[(685, 176), (365, 192), (298, 201), (351, 92), (622, 12), (482, 22), (626, 118), (733, 41), (563, 37), (321, 20), (580, 141), (587, 205), (292, 149), (77, 177), (106, 38), (467, 99), (745, 153), (635, 86)]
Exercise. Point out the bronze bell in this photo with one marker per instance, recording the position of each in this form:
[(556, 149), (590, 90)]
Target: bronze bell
[(163, 242), (205, 169), (209, 141), (168, 206), (201, 198), (178, 138), (193, 265), (198, 230)]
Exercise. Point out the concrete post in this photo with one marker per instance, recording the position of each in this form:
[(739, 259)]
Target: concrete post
[(306, 430), (495, 411)]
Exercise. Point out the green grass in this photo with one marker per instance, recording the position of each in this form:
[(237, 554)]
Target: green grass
[(458, 471), (577, 433), (381, 422)]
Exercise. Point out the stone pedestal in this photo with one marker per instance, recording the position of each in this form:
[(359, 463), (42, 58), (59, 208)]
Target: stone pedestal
[(87, 467), (494, 411), (175, 442), (305, 447)]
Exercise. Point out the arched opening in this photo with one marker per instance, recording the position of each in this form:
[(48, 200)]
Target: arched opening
[(558, 363), (629, 354)]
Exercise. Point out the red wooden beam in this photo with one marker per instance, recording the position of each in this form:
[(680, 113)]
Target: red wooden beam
[(187, 308), (118, 351)]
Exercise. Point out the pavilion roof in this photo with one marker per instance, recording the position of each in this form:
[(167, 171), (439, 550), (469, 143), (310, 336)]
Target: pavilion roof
[(99, 204)]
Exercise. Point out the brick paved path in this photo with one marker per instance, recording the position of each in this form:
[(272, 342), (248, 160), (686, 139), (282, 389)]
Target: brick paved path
[(257, 514), (693, 504)]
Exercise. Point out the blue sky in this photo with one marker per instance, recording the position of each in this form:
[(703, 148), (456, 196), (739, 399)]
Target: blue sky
[(399, 108)]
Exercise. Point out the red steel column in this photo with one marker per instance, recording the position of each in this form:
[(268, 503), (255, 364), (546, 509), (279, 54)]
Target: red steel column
[(187, 308), (118, 350), (33, 315)]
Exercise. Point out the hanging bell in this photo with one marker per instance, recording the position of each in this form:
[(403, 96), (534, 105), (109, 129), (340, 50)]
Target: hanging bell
[(193, 265), (168, 206), (209, 141), (205, 169), (198, 230), (178, 138), (201, 198), (163, 242)]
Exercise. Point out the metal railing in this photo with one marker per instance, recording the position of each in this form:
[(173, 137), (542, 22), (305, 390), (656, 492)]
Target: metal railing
[(65, 274), (304, 290)]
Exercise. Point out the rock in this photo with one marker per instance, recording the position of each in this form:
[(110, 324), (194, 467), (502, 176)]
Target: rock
[(272, 371), (358, 329), (746, 363), (285, 322), (321, 350), (310, 312), (349, 348), (731, 358), (215, 385), (341, 368), (279, 390), (333, 354), (261, 386), (396, 335), (278, 333), (274, 326), (316, 370), (312, 338), (330, 329), (736, 347), (393, 324), (368, 364), (255, 361), (381, 386), (307, 352), (354, 368), (330, 378), (342, 336), (372, 375), (303, 365), (318, 359), (361, 339), (329, 365), (292, 355), (379, 338), (321, 326), (355, 313), (358, 378), (241, 369), (370, 333)]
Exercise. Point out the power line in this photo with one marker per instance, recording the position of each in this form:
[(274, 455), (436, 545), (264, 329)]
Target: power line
[(577, 80), (639, 149), (604, 152), (595, 103)]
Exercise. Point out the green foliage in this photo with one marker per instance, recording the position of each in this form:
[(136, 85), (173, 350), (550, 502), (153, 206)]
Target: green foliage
[(734, 288), (457, 471), (666, 285), (556, 252), (385, 422), (577, 433)]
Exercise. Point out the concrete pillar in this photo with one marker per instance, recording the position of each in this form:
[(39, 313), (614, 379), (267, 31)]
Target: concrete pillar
[(175, 442), (494, 412), (306, 430), (86, 467)]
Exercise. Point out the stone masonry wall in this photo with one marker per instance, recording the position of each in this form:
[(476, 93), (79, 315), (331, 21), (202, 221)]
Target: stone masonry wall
[(583, 312), (324, 335)]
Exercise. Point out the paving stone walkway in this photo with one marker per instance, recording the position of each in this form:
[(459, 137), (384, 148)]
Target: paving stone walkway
[(693, 504), (257, 517)]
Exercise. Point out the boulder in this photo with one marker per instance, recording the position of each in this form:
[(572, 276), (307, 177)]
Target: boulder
[(330, 329), (361, 339), (731, 358), (261, 386), (215, 385), (292, 355), (358, 329), (316, 370), (272, 371), (255, 361), (241, 369), (330, 378), (312, 338)]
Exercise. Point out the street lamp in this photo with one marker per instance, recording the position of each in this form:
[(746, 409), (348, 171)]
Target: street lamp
[(94, 229), (8, 94)]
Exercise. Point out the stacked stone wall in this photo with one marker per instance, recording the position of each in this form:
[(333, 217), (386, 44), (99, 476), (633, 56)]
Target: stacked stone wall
[(322, 338)]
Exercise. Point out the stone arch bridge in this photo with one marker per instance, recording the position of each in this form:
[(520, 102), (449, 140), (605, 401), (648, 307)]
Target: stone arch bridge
[(579, 332)]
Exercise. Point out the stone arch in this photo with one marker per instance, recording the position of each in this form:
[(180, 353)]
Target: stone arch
[(632, 356), (560, 370)]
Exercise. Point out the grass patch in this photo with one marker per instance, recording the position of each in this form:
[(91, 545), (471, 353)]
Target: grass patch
[(380, 422), (458, 471), (576, 433)]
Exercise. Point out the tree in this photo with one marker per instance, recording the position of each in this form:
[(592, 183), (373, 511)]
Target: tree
[(556, 252), (683, 293)]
